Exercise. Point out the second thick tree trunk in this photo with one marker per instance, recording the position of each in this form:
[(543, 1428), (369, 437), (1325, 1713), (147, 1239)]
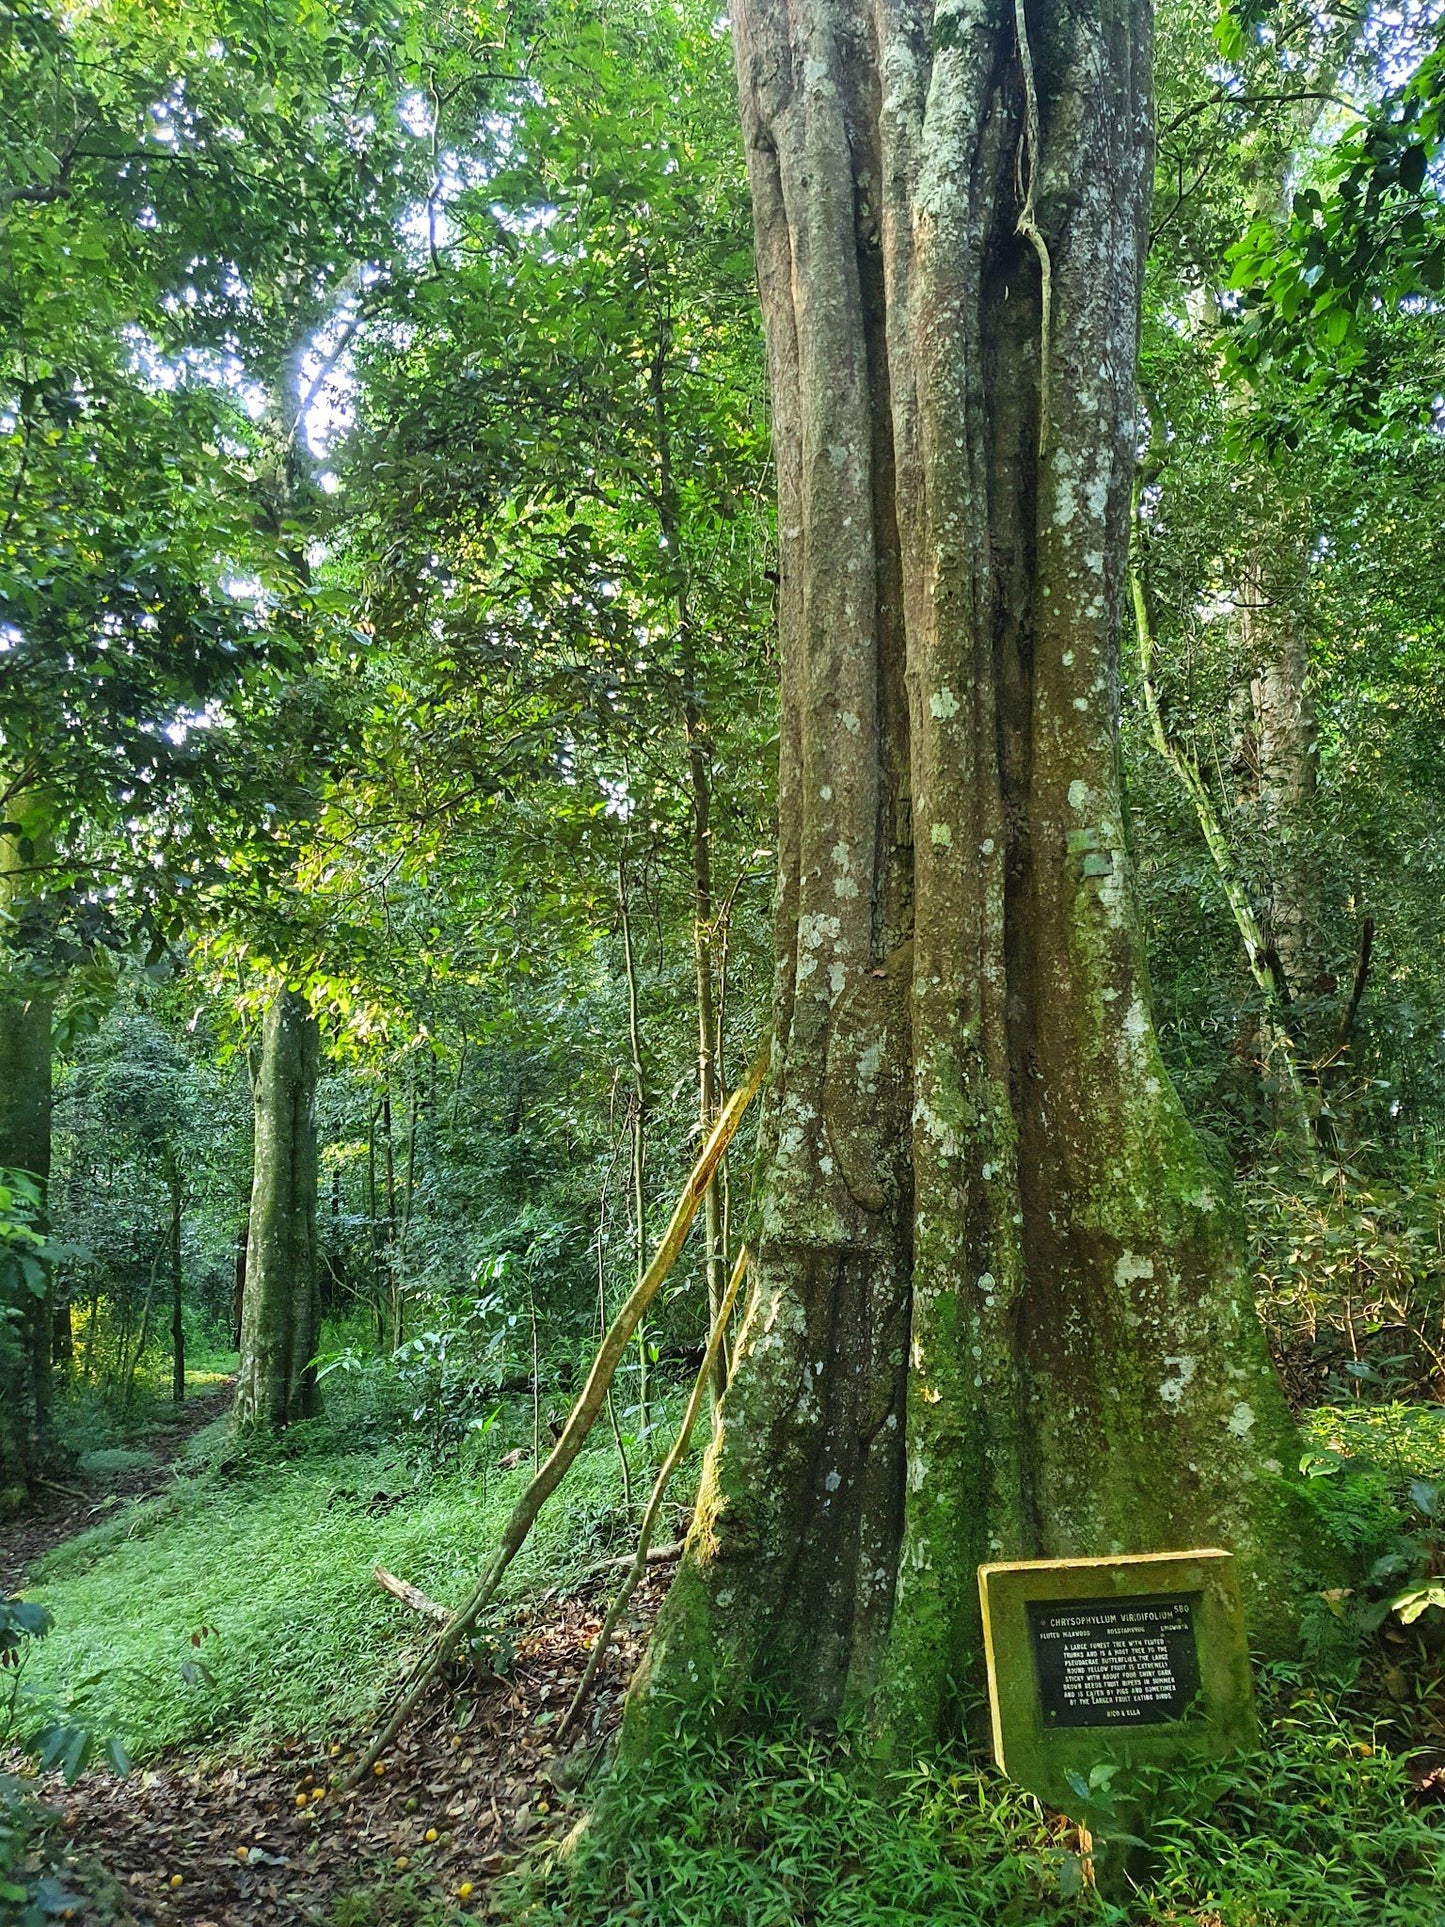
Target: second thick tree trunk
[(1000, 1308), (281, 1308)]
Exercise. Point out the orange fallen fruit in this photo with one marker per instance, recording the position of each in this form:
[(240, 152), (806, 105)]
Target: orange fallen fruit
[(380, 1767), (402, 1863), (177, 1880), (431, 1834), (465, 1891)]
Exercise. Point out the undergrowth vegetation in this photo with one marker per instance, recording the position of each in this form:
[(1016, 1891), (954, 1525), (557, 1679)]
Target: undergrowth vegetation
[(781, 1827), (239, 1606), (284, 1633)]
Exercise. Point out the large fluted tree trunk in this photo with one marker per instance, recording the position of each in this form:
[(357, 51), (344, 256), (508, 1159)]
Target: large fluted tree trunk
[(999, 1307), (281, 1305)]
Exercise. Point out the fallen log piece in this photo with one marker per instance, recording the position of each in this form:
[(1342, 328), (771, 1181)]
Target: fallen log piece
[(409, 1595)]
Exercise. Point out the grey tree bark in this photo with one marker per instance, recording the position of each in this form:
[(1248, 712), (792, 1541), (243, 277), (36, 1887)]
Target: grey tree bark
[(25, 1105), (281, 1306), (176, 1266), (1000, 1307)]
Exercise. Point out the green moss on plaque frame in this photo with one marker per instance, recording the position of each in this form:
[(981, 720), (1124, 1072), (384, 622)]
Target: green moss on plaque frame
[(1139, 1660)]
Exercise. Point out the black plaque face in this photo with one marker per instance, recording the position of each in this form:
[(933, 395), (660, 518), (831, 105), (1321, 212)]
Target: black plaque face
[(1115, 1662)]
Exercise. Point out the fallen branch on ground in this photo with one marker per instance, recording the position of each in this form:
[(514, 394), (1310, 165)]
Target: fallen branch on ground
[(658, 1556), (581, 1419), (413, 1596), (659, 1493), (54, 1485), (408, 1594)]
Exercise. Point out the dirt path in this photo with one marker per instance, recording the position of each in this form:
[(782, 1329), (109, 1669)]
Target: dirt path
[(192, 1840), (226, 1844), (56, 1513)]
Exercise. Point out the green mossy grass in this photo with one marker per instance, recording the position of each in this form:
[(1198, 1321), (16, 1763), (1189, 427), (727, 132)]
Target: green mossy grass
[(272, 1551), (773, 1827), (778, 1827)]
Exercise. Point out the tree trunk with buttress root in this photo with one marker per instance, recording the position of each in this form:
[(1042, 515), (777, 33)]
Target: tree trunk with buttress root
[(281, 1307), (1000, 1308)]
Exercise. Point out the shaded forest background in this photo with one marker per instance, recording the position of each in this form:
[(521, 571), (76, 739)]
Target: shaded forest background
[(389, 592)]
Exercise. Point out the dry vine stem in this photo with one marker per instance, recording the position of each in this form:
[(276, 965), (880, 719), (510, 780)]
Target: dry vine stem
[(582, 1416), (1028, 224), (659, 1492)]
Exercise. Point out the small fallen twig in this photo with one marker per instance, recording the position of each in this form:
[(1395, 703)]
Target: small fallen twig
[(580, 1421), (409, 1595), (657, 1556), (413, 1596), (54, 1485), (659, 1493)]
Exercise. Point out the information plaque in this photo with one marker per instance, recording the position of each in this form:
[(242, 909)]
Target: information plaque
[(1112, 1662), (1140, 1659)]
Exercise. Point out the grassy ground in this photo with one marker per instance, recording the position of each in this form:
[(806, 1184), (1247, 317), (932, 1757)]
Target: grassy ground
[(267, 1559), (1315, 1830)]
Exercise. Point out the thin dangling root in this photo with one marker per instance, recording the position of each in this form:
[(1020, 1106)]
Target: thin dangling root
[(1028, 220)]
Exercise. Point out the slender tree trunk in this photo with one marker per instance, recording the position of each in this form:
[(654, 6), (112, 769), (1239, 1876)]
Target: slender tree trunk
[(63, 1337), (639, 1133), (62, 1322), (372, 1242), (25, 1102), (238, 1285), (602, 1322), (1000, 1308), (92, 1334), (388, 1149), (1271, 1041), (536, 1380), (281, 1316), (142, 1338), (404, 1233), (699, 764), (178, 1284), (1286, 762), (699, 775)]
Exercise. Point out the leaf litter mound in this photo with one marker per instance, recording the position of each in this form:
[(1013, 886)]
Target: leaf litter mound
[(476, 1782)]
